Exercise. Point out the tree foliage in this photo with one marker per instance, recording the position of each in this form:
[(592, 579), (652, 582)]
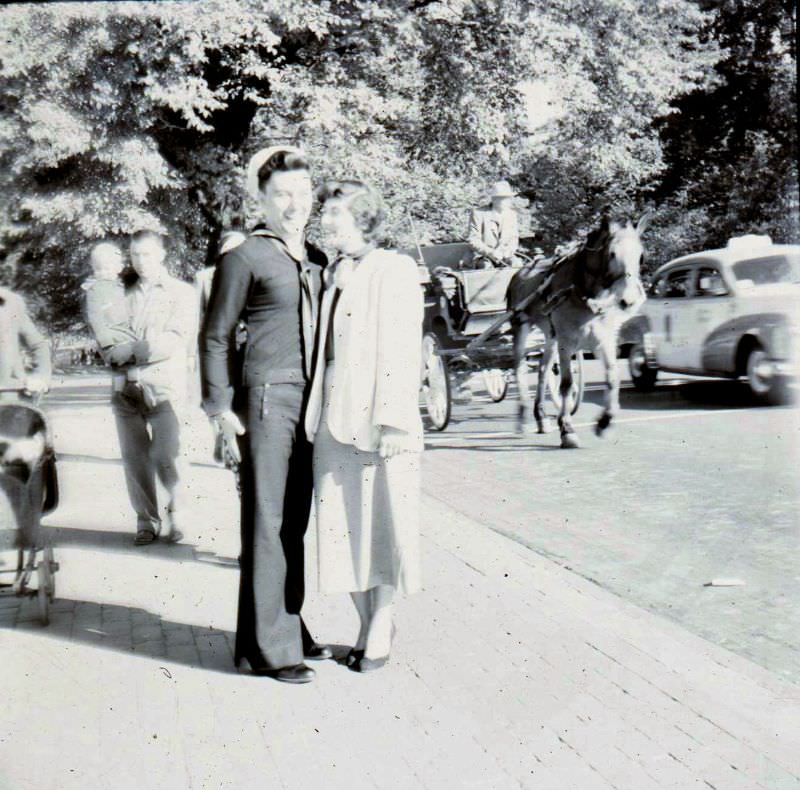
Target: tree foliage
[(117, 116), (730, 145)]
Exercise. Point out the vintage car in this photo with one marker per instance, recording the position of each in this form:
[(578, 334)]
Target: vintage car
[(729, 312)]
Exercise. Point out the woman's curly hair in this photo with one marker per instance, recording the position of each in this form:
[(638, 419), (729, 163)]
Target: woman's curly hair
[(363, 201)]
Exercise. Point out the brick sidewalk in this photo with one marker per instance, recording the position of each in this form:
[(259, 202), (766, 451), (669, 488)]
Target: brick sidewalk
[(508, 669)]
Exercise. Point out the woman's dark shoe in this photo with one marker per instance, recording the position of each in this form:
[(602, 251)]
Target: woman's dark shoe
[(353, 656), (358, 662), (317, 652), (365, 664)]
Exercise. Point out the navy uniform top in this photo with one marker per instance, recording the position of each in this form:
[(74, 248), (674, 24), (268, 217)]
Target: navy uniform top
[(277, 296)]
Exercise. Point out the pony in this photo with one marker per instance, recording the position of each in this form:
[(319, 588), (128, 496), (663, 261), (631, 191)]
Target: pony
[(579, 301)]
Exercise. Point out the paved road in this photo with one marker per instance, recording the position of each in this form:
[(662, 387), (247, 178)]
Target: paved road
[(695, 483), (508, 670)]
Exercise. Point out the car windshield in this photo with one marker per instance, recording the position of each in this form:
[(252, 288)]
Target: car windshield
[(769, 269)]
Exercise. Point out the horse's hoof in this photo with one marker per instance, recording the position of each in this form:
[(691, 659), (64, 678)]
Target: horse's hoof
[(603, 424), (569, 441), (544, 426), (526, 427)]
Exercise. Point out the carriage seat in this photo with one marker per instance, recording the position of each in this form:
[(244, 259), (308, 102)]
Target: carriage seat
[(484, 290)]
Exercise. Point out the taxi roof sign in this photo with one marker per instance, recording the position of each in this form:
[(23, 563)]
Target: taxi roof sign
[(749, 241)]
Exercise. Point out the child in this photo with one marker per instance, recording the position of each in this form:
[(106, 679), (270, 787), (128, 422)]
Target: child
[(106, 306)]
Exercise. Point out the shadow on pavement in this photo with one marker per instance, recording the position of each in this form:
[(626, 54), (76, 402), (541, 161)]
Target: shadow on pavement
[(122, 542), (128, 629)]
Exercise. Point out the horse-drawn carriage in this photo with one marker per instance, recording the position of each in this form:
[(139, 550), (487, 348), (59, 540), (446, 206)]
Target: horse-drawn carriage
[(464, 299)]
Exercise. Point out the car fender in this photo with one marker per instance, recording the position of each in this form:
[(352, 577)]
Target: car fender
[(720, 348)]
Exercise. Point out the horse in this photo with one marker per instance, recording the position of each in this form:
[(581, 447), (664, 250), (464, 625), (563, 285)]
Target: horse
[(578, 301)]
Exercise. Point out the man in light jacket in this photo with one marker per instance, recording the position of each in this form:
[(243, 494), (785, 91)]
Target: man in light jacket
[(150, 388), (493, 230)]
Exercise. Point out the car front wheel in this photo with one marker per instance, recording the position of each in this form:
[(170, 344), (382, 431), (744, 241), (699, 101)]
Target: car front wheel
[(763, 383), (643, 375)]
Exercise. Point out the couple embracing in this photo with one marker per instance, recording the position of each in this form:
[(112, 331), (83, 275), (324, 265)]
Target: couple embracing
[(332, 358)]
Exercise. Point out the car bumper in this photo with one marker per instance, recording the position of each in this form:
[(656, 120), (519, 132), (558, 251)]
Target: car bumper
[(785, 368)]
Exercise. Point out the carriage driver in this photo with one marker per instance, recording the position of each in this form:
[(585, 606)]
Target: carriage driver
[(493, 230)]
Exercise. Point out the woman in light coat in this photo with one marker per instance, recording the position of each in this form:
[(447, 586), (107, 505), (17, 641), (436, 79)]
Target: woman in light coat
[(363, 417)]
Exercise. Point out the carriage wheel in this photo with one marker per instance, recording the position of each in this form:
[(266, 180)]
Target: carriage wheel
[(435, 383), (43, 593), (496, 384), (20, 574), (53, 567), (554, 384)]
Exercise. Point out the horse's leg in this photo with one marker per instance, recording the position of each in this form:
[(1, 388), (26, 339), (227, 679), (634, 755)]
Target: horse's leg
[(546, 360), (606, 350), (521, 331), (569, 439)]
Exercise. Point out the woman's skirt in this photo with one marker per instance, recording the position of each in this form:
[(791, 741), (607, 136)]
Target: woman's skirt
[(367, 515)]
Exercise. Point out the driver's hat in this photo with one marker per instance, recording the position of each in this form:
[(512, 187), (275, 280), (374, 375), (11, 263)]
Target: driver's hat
[(501, 189)]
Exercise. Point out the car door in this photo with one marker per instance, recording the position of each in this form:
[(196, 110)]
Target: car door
[(713, 305), (671, 318)]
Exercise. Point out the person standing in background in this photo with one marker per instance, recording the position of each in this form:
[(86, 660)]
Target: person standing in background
[(150, 388), (18, 334), (229, 240), (105, 301)]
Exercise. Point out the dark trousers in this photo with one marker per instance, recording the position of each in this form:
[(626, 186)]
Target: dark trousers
[(276, 485)]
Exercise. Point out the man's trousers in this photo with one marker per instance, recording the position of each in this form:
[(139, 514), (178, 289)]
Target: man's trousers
[(149, 438), (276, 486)]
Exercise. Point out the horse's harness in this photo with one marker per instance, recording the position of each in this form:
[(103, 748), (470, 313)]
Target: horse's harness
[(591, 282)]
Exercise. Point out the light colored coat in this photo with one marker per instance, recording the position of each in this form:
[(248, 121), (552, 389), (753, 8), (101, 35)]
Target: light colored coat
[(378, 346), (163, 316), (17, 331), (494, 233)]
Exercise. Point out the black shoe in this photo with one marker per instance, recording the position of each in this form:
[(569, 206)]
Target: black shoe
[(358, 662), (299, 673), (353, 657), (365, 664), (316, 652)]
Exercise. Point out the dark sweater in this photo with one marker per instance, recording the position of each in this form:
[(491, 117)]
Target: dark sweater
[(257, 282)]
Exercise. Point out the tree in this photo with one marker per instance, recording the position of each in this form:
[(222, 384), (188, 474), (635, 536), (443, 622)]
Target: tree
[(731, 144), (124, 115), (118, 116)]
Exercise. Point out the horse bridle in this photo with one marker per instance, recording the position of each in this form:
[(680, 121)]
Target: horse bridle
[(599, 274), (581, 290)]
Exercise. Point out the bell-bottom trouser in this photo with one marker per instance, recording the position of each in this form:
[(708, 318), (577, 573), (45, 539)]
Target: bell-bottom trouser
[(276, 486)]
